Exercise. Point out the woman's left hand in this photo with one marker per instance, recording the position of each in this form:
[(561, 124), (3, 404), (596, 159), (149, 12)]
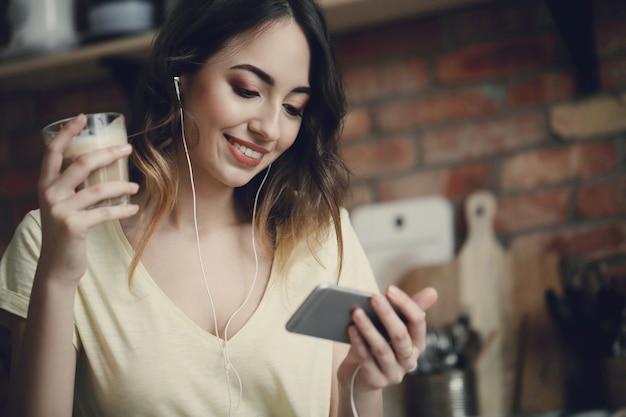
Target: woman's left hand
[(383, 362)]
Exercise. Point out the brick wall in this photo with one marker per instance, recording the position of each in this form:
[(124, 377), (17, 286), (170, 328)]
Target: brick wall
[(444, 104), (456, 102)]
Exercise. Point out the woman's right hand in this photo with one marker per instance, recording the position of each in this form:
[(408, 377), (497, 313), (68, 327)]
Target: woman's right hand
[(65, 214)]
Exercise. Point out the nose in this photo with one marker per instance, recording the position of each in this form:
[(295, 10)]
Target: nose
[(267, 123)]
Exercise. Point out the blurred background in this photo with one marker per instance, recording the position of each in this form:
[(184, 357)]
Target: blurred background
[(475, 127)]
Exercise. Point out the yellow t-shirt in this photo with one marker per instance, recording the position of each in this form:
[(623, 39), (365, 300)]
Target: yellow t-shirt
[(139, 355)]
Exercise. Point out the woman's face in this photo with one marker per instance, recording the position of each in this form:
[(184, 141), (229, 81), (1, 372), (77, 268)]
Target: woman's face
[(247, 102)]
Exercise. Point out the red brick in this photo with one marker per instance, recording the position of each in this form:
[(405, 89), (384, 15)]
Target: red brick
[(404, 77), (17, 113), (391, 41), (362, 83), (359, 194), (28, 146), (356, 125), (495, 60), (18, 182), (454, 183), (106, 97), (591, 240), (544, 89), (611, 36), (550, 166), (19, 209), (466, 179), (4, 149), (602, 199), (494, 20), (525, 211), (61, 105), (448, 106), (389, 155), (613, 73), (484, 139), (608, 8), (388, 79), (6, 233), (92, 99)]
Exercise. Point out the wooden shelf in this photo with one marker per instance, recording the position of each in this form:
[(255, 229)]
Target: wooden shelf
[(83, 64), (69, 67)]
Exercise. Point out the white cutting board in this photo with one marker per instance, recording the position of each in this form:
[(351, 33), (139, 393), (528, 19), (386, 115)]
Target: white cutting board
[(399, 236)]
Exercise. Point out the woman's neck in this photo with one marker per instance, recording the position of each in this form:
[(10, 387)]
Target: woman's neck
[(214, 207)]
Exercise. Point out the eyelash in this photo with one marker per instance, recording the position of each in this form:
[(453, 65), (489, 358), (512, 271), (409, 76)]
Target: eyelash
[(242, 92), (245, 93), (292, 110)]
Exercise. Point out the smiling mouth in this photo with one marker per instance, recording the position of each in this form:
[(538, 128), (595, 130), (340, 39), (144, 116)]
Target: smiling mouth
[(250, 153)]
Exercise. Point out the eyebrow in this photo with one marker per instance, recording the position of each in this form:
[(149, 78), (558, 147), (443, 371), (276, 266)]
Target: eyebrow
[(266, 78)]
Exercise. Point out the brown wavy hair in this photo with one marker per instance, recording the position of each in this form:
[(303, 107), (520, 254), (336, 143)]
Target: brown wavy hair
[(306, 186)]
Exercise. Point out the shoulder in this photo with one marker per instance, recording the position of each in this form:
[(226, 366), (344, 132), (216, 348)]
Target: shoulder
[(28, 232), (30, 222)]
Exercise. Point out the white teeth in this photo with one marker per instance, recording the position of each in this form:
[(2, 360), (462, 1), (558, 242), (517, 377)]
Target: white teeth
[(246, 151)]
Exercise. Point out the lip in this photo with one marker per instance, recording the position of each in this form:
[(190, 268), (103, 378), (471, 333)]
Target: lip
[(241, 157)]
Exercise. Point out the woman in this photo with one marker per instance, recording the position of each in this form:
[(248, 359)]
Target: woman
[(181, 309)]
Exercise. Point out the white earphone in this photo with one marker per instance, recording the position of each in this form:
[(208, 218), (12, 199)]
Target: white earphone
[(177, 87)]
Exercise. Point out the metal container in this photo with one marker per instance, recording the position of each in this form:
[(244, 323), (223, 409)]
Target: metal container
[(445, 394), (40, 27)]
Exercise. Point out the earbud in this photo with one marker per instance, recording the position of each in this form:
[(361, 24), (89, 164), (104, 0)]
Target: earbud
[(177, 87)]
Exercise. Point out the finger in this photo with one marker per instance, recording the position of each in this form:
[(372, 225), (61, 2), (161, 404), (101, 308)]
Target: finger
[(97, 193), (78, 171), (378, 345), (53, 158), (359, 346), (426, 298), (80, 223), (404, 337)]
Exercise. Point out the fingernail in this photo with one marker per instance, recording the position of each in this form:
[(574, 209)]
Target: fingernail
[(359, 315), (352, 331), (377, 300), (135, 186), (393, 291), (125, 148)]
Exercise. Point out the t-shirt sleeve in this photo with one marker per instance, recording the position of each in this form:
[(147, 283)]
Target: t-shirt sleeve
[(17, 268), (356, 270)]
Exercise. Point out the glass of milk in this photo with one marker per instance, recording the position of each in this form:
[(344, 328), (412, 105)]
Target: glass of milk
[(102, 130)]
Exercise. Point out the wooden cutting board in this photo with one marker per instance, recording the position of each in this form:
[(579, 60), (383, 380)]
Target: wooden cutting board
[(484, 293), (503, 292)]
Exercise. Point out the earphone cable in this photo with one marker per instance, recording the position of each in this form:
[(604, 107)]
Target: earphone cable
[(256, 274), (227, 364), (223, 345), (352, 403)]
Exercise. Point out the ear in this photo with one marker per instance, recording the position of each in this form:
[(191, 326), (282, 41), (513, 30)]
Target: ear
[(184, 84)]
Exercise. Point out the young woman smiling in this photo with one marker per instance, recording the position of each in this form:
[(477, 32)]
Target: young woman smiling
[(176, 304)]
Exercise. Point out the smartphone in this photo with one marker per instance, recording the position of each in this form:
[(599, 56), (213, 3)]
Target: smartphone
[(327, 313)]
